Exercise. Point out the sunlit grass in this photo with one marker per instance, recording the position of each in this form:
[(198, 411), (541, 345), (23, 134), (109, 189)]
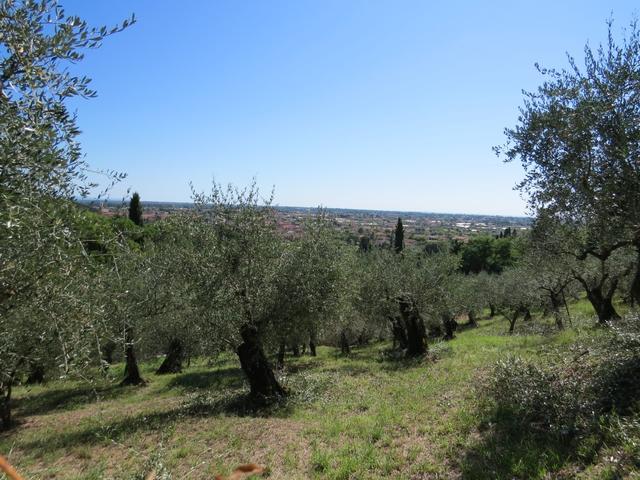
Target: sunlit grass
[(362, 416)]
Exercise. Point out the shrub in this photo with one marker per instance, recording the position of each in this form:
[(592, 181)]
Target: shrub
[(576, 392)]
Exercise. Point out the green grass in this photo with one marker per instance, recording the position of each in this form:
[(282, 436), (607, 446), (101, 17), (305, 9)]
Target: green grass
[(361, 417)]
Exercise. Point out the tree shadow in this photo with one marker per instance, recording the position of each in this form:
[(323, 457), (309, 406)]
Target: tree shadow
[(236, 403), (351, 370), (64, 399), (221, 378), (508, 450)]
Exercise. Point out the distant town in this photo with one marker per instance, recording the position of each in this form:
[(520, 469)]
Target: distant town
[(421, 228)]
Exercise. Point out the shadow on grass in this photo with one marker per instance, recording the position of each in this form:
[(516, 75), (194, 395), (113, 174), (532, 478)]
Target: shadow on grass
[(220, 378), (236, 403), (507, 450), (64, 398)]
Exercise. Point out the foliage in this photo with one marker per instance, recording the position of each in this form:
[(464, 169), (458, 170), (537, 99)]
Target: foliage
[(488, 254), (44, 305), (398, 237), (135, 209), (578, 139), (572, 395)]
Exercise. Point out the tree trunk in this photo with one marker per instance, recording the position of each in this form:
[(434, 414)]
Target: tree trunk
[(36, 374), (303, 348), (131, 370), (106, 358), (280, 358), (312, 345), (5, 407), (492, 310), (399, 332), (472, 319), (344, 343), (107, 352), (415, 330), (556, 304), (602, 304), (527, 314), (256, 366), (296, 350), (635, 284), (173, 361), (449, 325)]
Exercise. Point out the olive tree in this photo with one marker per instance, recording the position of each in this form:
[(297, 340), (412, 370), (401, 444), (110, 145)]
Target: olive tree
[(41, 172), (232, 264), (515, 295), (578, 139), (310, 284)]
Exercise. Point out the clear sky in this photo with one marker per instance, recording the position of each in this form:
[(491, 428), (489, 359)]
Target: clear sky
[(372, 104)]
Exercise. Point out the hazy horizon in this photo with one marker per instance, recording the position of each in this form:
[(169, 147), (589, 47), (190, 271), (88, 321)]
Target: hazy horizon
[(124, 202)]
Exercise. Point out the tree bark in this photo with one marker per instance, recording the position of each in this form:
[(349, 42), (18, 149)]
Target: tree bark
[(256, 366), (107, 352), (492, 310), (344, 343), (603, 304), (36, 374), (556, 304), (635, 284), (295, 348), (131, 370), (173, 360), (512, 320), (415, 329), (449, 327), (472, 319), (5, 407), (280, 358), (312, 345), (399, 332)]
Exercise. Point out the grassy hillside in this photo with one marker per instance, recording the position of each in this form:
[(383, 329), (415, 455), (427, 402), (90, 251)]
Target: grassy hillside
[(366, 416)]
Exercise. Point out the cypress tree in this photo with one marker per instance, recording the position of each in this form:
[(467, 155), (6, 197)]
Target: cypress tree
[(398, 241), (135, 209)]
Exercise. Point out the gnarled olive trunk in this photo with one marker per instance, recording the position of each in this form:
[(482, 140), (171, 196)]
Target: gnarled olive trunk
[(280, 358), (173, 360), (399, 332), (344, 343), (449, 325), (107, 352), (36, 374), (295, 349), (312, 344), (256, 366), (602, 304), (415, 329), (472, 319), (556, 307), (492, 310), (131, 371), (5, 405), (512, 320), (635, 284)]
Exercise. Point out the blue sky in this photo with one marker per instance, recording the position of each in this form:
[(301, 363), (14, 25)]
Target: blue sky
[(372, 104)]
